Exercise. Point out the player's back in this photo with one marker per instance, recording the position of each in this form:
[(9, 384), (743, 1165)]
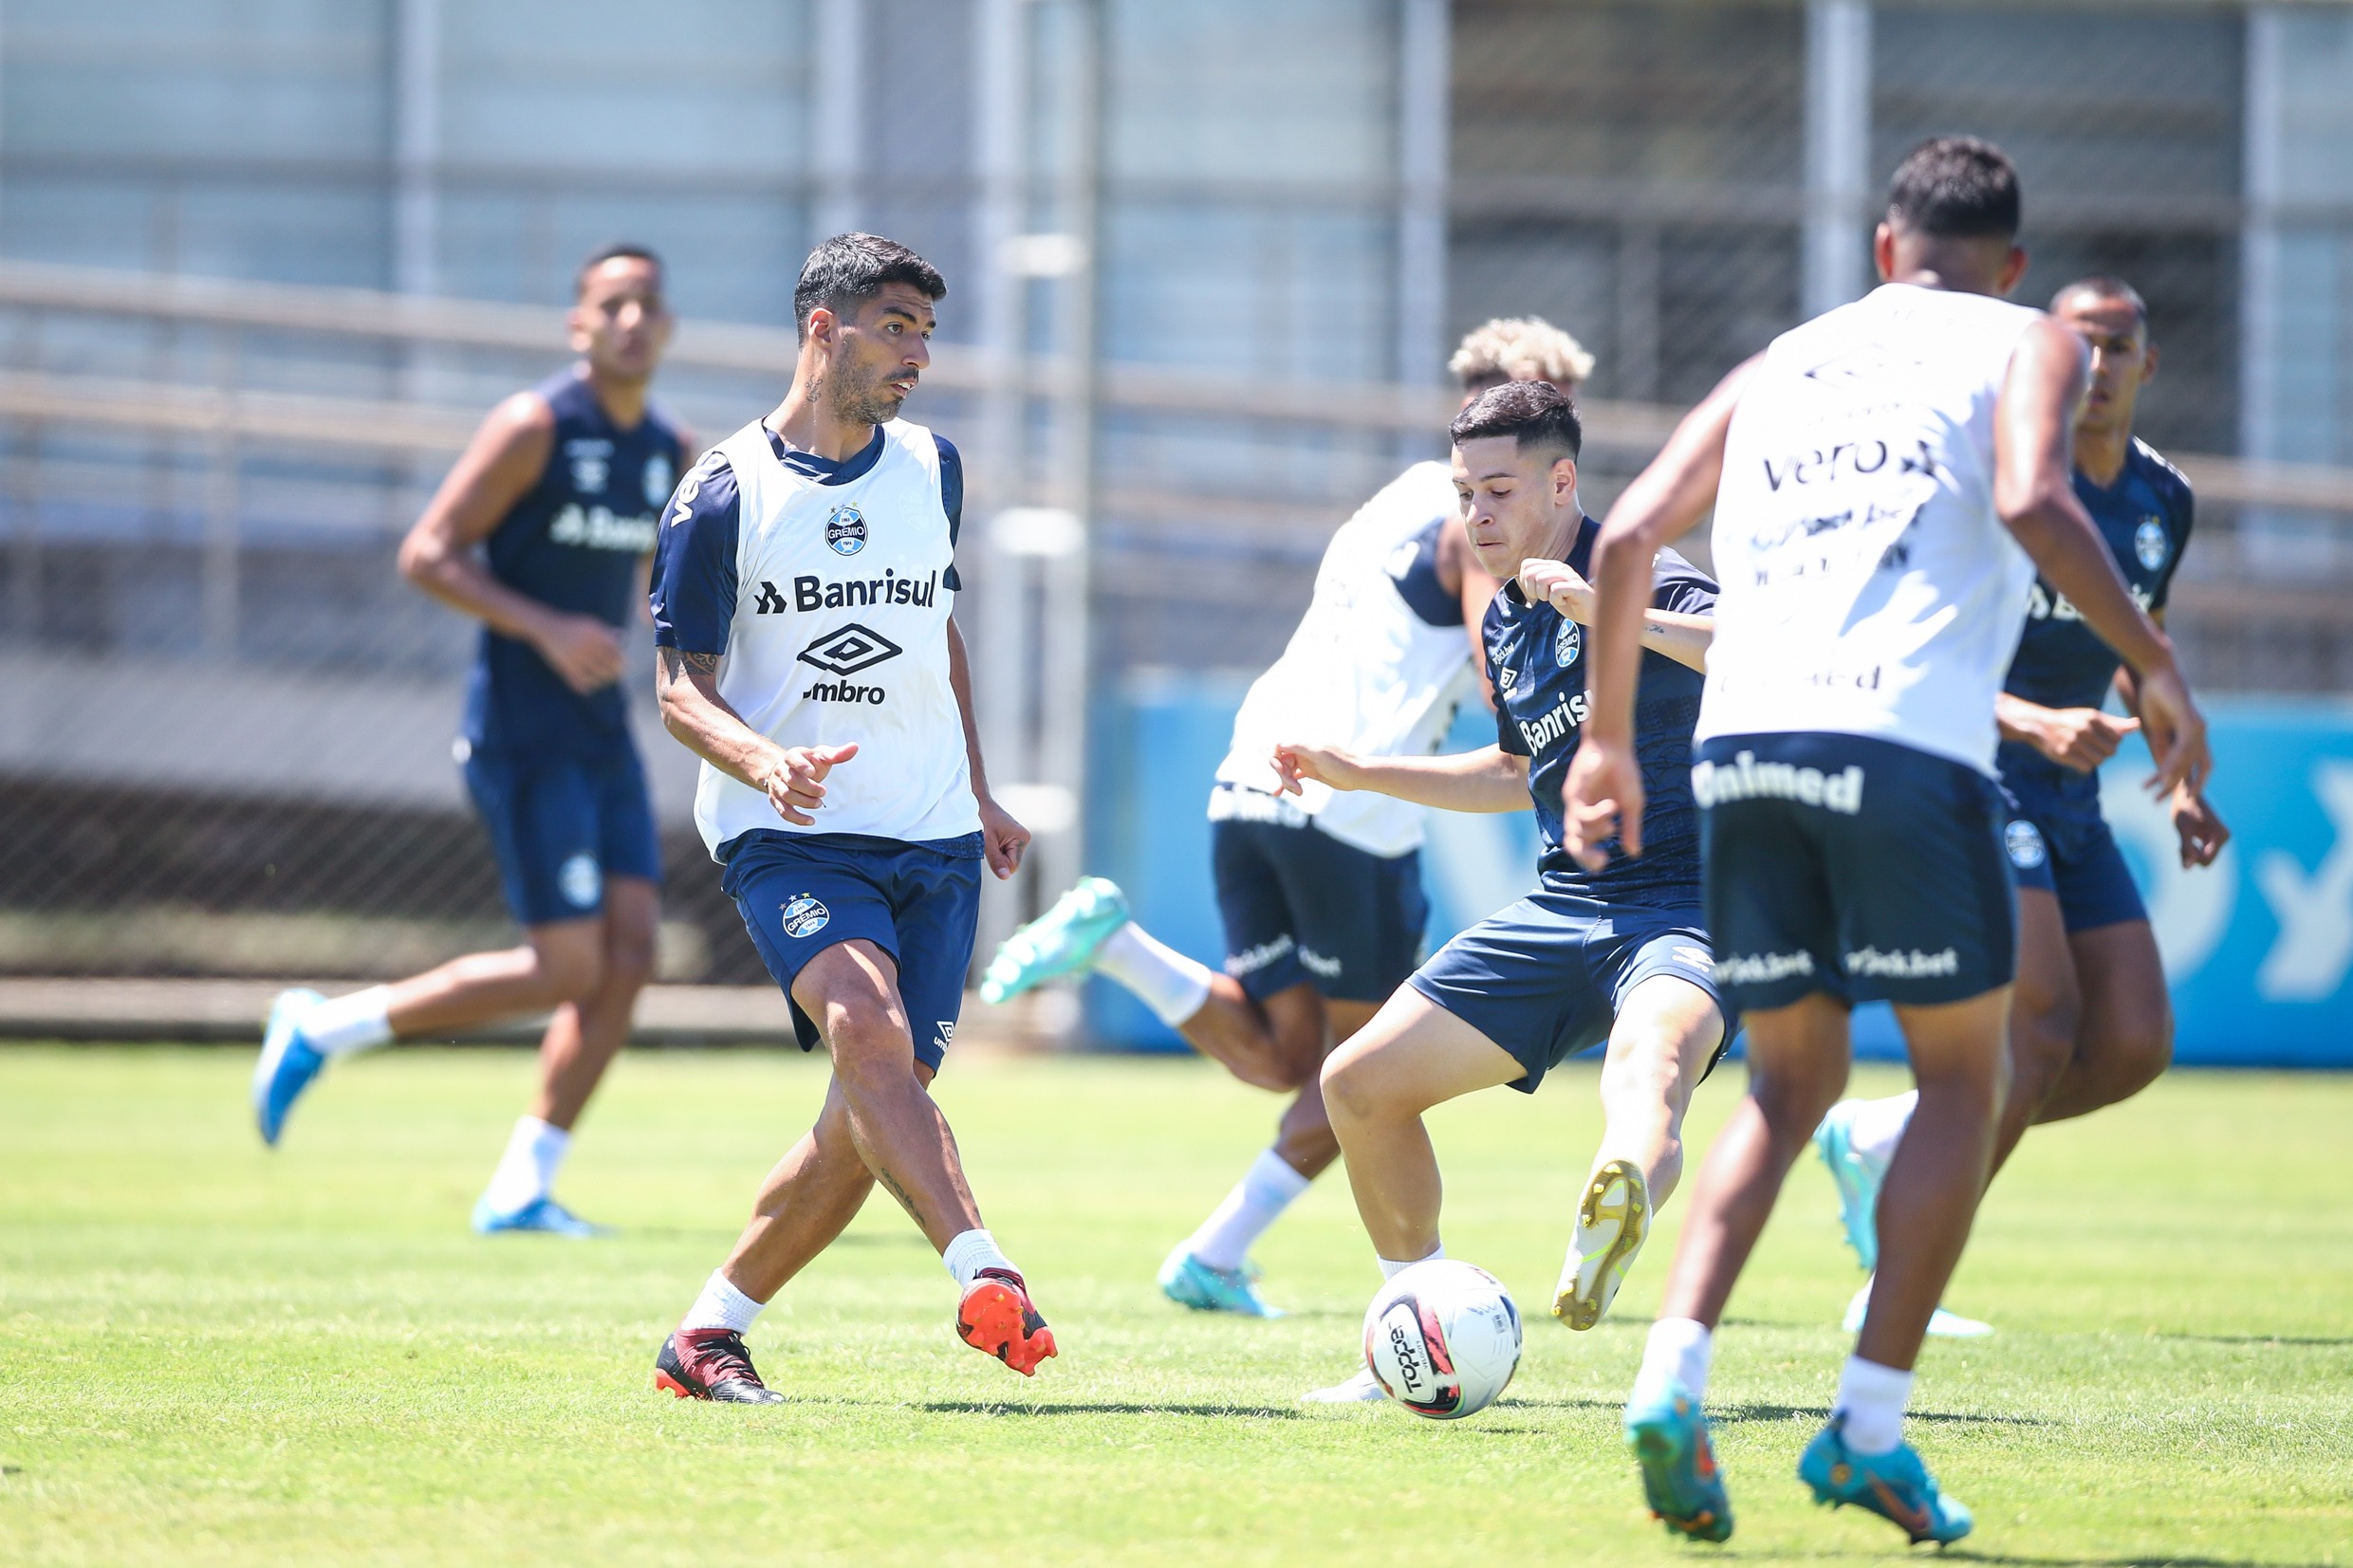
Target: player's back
[(1868, 586), (1377, 666)]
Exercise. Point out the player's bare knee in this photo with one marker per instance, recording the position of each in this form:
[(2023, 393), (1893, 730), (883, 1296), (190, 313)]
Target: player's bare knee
[(1352, 1086), (569, 971)]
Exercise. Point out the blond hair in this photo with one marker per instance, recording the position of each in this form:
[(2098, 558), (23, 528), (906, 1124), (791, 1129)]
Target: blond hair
[(1520, 348)]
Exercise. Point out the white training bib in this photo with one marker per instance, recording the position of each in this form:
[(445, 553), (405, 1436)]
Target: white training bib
[(841, 634), (1363, 670), (1868, 587)]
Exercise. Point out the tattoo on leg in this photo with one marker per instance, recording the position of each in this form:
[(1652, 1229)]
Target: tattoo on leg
[(890, 1184)]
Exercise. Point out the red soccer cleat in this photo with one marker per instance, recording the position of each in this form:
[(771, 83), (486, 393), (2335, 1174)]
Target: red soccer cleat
[(996, 1315), (711, 1363)]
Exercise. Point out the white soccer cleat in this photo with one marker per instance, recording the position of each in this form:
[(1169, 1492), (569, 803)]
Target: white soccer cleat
[(1364, 1388), (1941, 1324), (1613, 1221)]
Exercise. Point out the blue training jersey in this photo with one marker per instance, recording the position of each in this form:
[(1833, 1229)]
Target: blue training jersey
[(575, 541), (1535, 657), (2060, 662)]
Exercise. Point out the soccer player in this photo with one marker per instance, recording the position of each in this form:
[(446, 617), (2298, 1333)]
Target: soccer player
[(1320, 891), (801, 597), (542, 531), (1885, 480), (1612, 951), (2090, 1023)]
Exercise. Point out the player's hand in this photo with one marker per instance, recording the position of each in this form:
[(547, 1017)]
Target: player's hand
[(584, 651), (2081, 738), (1556, 582), (796, 786), (1003, 839), (2176, 731), (2201, 827), (1601, 799), (1295, 761)]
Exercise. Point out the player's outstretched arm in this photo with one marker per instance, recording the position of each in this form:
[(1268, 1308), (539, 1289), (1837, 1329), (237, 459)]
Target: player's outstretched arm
[(498, 469), (1487, 779), (2034, 496), (1003, 839), (793, 777), (2197, 824), (2081, 738), (1681, 638)]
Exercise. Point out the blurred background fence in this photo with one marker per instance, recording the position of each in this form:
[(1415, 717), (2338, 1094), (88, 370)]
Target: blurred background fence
[(263, 266)]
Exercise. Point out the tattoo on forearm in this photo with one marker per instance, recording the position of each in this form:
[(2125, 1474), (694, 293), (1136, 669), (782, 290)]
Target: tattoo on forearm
[(677, 661)]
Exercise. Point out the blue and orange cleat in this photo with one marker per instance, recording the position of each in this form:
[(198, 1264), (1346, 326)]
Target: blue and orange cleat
[(1063, 939), (711, 1363), (996, 1315), (287, 1063), (1894, 1485), (1667, 1432), (1190, 1282), (545, 1215)]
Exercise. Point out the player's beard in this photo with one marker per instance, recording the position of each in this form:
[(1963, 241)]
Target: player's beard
[(866, 398)]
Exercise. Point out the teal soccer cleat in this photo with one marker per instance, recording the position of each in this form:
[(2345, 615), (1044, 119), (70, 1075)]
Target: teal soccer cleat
[(1894, 1485), (1063, 939), (1857, 1179), (1667, 1432), (545, 1215), (287, 1062), (1190, 1282)]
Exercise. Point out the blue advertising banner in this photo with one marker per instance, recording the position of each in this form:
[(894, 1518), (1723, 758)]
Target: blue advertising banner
[(2258, 946)]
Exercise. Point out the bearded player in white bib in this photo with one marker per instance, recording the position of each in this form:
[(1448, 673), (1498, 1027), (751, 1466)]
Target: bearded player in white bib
[(1320, 890), (802, 591), (1885, 481)]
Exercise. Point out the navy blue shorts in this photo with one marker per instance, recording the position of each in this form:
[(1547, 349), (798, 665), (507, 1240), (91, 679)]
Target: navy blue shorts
[(2059, 843), (801, 893), (1862, 868), (1545, 978), (561, 825), (1300, 905)]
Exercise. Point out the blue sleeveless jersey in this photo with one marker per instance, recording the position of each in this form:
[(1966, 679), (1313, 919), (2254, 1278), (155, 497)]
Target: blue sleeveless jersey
[(574, 543)]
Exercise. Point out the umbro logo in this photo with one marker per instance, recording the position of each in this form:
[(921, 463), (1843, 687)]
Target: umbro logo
[(850, 649)]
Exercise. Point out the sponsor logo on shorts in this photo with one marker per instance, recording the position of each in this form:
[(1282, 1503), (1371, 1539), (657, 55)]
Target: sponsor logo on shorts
[(1745, 779), (1698, 958), (578, 880), (2024, 842), (805, 917), (1327, 967), (1251, 960), (1911, 964), (845, 530), (1756, 969), (2150, 543), (1566, 643), (657, 480), (943, 1033)]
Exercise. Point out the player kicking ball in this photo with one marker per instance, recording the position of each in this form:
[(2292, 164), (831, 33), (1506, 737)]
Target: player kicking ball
[(542, 532), (1615, 952), (1885, 479), (1320, 890), (801, 597), (2090, 1023)]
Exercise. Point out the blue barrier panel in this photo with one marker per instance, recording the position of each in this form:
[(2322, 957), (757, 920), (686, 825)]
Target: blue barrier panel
[(2258, 946)]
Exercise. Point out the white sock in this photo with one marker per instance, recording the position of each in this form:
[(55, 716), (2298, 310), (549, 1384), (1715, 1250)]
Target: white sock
[(1173, 985), (526, 1171), (342, 1025), (1872, 1399), (1681, 1349), (1256, 1202), (721, 1305), (969, 1252), (1391, 1268), (1876, 1126)]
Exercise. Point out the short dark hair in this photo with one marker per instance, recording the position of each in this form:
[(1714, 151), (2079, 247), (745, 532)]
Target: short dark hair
[(849, 269), (1537, 413), (619, 250), (2106, 286), (1955, 187)]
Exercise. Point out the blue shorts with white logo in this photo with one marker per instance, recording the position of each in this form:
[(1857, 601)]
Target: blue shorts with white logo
[(801, 893), (1858, 867), (2059, 843), (561, 825), (1545, 978), (1300, 905)]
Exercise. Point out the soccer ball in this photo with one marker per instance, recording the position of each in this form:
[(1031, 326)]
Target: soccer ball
[(1443, 1338)]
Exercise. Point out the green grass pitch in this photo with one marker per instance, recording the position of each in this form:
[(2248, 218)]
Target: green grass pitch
[(213, 1353)]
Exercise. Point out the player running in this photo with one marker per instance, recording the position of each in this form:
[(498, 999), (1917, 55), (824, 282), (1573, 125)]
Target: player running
[(2090, 1023), (1612, 952), (802, 599), (1321, 892), (1874, 475), (542, 532)]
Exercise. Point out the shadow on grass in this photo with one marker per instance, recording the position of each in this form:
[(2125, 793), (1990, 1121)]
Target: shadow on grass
[(1211, 1411), (1725, 1414), (2150, 1560)]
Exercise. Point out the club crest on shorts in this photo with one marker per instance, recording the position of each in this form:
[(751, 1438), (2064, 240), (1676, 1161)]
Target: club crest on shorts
[(2150, 543), (578, 880), (2024, 842), (845, 530), (659, 481), (805, 917), (1568, 643)]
